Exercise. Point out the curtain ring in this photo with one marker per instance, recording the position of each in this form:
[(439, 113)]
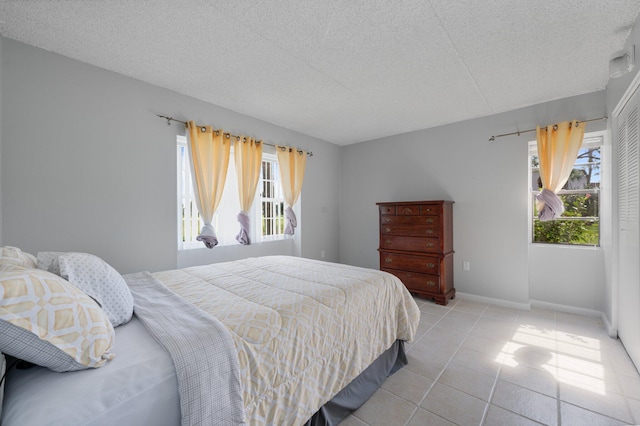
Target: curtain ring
[(555, 127), (203, 129)]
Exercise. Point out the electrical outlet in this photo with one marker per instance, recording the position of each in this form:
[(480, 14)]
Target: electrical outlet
[(322, 254), (466, 265)]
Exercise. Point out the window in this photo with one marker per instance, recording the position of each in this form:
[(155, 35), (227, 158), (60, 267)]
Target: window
[(580, 222), (267, 212)]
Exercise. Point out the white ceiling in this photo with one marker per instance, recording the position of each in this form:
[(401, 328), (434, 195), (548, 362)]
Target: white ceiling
[(344, 71)]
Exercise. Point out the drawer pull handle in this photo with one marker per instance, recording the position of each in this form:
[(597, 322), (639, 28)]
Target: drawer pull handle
[(387, 220), (430, 245), (431, 265), (387, 229), (388, 242), (430, 220), (428, 209), (431, 283), (429, 231), (407, 210), (388, 260)]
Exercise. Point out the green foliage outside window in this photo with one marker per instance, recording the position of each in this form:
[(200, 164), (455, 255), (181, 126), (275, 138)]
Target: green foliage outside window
[(580, 222)]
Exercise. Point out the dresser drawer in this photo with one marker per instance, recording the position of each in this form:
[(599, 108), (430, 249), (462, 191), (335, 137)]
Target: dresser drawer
[(412, 230), (387, 209), (417, 282), (410, 220), (430, 209), (408, 210), (421, 244), (408, 262)]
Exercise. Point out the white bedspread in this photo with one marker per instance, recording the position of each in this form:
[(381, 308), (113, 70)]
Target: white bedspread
[(302, 329)]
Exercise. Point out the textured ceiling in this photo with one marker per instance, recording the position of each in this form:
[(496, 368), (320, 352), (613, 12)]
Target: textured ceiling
[(344, 71)]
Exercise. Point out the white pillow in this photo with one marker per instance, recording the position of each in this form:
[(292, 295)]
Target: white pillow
[(99, 280), (48, 261), (14, 256), (47, 321)]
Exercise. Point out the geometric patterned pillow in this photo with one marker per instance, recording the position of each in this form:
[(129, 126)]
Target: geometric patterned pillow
[(14, 256), (100, 281), (49, 322)]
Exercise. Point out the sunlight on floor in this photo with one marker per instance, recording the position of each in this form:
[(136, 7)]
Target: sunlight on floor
[(569, 358)]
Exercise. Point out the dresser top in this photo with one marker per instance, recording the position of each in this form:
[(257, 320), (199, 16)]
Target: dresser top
[(400, 203)]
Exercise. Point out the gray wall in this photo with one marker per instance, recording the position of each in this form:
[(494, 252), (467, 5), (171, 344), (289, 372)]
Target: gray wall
[(87, 166), (488, 182)]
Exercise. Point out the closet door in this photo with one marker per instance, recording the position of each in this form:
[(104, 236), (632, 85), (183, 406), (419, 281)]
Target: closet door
[(628, 140)]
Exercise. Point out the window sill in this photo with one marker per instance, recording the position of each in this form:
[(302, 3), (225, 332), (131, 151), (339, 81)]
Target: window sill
[(204, 256), (565, 246)]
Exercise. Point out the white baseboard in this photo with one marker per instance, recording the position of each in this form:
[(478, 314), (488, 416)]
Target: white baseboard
[(565, 308), (543, 305), (613, 333), (492, 301)]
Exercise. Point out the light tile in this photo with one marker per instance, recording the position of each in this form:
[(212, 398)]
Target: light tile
[(634, 405), (430, 307), (537, 380), (384, 409), (430, 367), (453, 405), (430, 346), (477, 361), (542, 367), (490, 347), (468, 381), (423, 417), (459, 321), (607, 403), (352, 420), (408, 385), (576, 416), (526, 402), (497, 416), (471, 307)]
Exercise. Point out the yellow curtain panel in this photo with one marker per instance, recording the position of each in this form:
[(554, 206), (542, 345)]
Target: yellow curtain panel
[(292, 163), (558, 147), (248, 159), (209, 152)]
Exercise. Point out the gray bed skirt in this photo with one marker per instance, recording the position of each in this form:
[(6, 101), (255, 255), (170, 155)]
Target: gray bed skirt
[(361, 388)]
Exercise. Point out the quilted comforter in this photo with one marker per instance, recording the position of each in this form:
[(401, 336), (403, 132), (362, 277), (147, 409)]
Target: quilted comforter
[(303, 329)]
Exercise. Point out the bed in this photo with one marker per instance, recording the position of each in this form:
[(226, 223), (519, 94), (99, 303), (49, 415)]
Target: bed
[(268, 340)]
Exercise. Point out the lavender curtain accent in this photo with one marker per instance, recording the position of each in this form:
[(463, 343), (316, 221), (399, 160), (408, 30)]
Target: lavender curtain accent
[(291, 221), (208, 236), (243, 235), (553, 205)]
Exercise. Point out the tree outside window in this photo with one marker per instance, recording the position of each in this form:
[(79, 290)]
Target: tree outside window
[(580, 222)]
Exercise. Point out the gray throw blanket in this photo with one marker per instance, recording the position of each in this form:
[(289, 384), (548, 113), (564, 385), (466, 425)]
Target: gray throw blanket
[(203, 353)]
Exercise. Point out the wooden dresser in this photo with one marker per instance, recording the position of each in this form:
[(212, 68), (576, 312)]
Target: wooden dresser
[(416, 245)]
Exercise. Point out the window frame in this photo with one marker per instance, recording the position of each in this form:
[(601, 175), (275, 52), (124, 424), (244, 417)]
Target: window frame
[(590, 140), (230, 195)]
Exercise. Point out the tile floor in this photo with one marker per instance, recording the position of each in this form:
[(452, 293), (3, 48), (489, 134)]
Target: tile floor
[(478, 364)]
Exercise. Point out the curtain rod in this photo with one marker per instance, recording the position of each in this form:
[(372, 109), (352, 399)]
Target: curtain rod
[(493, 138), (170, 119)]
